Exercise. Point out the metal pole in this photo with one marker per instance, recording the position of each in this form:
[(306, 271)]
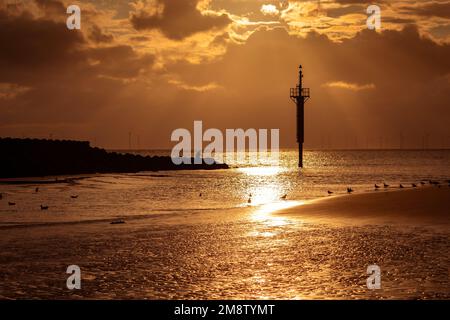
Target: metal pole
[(299, 95)]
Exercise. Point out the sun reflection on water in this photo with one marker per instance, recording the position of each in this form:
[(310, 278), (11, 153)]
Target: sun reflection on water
[(261, 171), (265, 184), (268, 193), (264, 214)]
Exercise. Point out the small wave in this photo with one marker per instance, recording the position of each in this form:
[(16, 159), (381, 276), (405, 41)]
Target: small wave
[(157, 213), (14, 225)]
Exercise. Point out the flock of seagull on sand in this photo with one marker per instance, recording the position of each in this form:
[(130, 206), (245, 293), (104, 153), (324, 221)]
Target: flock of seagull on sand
[(401, 186), (376, 186)]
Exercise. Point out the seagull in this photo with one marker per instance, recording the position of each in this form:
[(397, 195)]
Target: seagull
[(11, 203), (422, 183), (200, 195), (330, 192), (74, 197), (249, 200), (385, 185), (36, 190), (44, 207), (414, 185), (284, 197), (1, 196), (349, 190), (377, 186), (401, 186)]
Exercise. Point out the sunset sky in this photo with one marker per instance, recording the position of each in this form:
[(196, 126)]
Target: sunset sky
[(150, 67)]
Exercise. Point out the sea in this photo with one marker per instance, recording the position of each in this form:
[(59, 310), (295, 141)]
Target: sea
[(246, 183), (213, 234)]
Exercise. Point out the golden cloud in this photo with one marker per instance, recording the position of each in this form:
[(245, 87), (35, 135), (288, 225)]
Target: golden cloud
[(349, 86)]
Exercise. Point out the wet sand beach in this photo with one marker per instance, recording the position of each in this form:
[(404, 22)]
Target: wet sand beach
[(318, 249), (415, 206)]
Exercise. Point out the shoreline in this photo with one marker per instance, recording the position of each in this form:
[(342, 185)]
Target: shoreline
[(337, 208)]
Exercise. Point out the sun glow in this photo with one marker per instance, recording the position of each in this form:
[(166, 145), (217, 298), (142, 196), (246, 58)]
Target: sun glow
[(269, 9)]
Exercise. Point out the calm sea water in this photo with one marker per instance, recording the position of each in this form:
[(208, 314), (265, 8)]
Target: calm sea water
[(109, 196)]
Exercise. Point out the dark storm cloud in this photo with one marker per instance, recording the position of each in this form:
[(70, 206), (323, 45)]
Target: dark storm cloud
[(51, 7), (28, 42), (39, 46), (179, 19), (341, 11), (66, 79), (97, 35), (398, 20), (119, 61), (432, 9)]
